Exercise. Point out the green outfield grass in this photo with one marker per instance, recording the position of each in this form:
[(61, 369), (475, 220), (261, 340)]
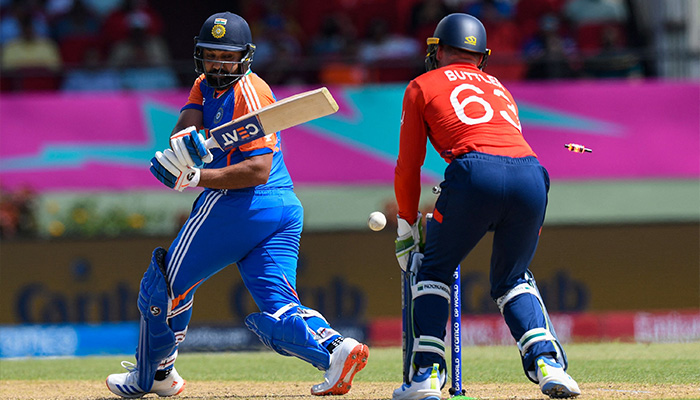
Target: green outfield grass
[(610, 362)]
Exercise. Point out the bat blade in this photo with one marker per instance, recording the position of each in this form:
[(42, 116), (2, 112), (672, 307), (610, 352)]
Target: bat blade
[(286, 113)]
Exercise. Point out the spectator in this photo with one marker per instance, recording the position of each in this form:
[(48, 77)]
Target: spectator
[(118, 24), (278, 49), (77, 33), (613, 60), (275, 16), (382, 45), (387, 56), (142, 57), (529, 12), (55, 8), (91, 75), (582, 12), (278, 54), (337, 38), (11, 25), (425, 15), (103, 8), (504, 35), (590, 18), (30, 50), (550, 55), (140, 48), (504, 8), (334, 50), (78, 20)]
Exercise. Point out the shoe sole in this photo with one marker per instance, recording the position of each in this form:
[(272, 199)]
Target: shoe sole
[(357, 359), (557, 390), (424, 394), (184, 382), (127, 396), (124, 395)]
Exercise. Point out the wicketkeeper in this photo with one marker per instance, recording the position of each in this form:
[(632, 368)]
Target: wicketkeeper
[(493, 182), (247, 214)]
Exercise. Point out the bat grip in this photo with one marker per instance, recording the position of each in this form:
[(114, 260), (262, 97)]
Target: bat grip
[(211, 143)]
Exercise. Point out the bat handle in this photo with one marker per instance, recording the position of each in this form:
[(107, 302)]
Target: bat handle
[(211, 143)]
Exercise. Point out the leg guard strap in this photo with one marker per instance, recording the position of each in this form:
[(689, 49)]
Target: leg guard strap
[(429, 344), (431, 287), (156, 339), (516, 291), (533, 336)]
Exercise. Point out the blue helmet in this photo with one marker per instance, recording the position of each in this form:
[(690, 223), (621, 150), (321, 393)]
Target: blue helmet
[(227, 32), (461, 31)]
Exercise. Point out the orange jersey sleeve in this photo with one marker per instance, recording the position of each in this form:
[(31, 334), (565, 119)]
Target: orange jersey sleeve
[(252, 93), (196, 98)]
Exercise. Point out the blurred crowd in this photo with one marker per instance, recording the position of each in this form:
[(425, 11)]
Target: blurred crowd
[(142, 44), (83, 45)]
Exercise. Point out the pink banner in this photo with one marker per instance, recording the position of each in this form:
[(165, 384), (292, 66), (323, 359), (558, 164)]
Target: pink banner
[(636, 130), (104, 141)]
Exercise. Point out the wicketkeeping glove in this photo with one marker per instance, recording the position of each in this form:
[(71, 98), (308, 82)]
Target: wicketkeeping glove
[(188, 146), (168, 169), (409, 240)]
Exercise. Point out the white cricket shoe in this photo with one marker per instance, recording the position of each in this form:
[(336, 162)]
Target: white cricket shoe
[(554, 381), (125, 385), (347, 360), (425, 385)]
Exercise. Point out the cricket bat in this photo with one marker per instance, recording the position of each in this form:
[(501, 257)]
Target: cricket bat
[(286, 113)]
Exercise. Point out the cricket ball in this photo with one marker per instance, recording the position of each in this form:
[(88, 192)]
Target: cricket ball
[(376, 221)]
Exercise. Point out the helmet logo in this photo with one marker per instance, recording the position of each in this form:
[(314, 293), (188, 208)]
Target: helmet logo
[(470, 40), (218, 31)]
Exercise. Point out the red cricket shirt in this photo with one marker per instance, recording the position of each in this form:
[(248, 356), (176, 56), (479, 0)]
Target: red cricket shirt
[(459, 109)]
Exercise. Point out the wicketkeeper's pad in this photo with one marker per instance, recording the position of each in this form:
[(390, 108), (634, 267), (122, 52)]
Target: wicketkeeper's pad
[(408, 335), (535, 335)]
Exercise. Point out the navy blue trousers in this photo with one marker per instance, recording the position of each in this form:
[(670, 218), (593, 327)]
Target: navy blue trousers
[(482, 193)]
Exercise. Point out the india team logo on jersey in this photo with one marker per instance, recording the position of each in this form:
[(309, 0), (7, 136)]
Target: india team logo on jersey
[(219, 115)]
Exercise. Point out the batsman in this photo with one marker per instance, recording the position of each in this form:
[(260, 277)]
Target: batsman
[(247, 215), (493, 182)]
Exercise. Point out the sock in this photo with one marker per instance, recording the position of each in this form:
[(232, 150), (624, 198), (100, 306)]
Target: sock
[(334, 343), (422, 370), (549, 356), (161, 374)]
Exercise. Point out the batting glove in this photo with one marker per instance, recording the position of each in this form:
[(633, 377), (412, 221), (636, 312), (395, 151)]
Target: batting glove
[(188, 146), (409, 240), (167, 168)]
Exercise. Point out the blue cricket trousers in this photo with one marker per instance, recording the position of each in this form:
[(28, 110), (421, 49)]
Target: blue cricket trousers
[(482, 193), (257, 229)]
